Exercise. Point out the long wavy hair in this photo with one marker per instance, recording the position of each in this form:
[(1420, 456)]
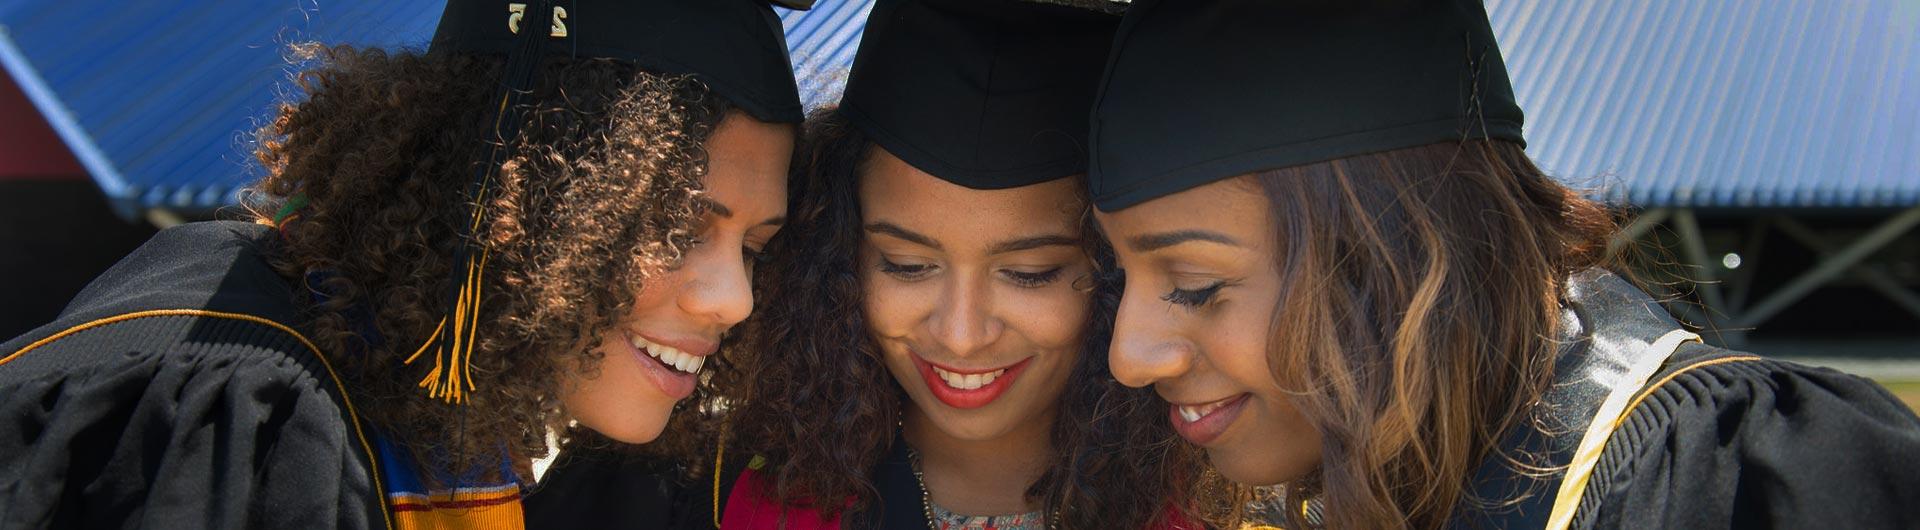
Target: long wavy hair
[(596, 195), (1417, 324), (814, 398)]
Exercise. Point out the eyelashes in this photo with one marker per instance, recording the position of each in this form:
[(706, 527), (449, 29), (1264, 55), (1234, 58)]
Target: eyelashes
[(914, 272), (1034, 279), (1194, 298), (903, 271)]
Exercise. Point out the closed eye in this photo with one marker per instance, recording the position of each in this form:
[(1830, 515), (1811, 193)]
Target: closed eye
[(1194, 298), (905, 271), (1032, 280)]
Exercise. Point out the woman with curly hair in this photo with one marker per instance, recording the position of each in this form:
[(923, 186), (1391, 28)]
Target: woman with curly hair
[(546, 218), (929, 351), (1347, 279)]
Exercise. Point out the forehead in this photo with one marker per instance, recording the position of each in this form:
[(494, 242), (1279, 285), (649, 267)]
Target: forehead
[(896, 192), (1232, 206), (747, 162)]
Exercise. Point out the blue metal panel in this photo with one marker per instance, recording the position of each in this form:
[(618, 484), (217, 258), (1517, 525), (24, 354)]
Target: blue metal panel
[(1708, 103), (823, 41), (160, 99), (1719, 103)]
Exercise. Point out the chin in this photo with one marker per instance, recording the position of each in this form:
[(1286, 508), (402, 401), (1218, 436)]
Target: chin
[(1259, 469), (984, 429), (632, 430)]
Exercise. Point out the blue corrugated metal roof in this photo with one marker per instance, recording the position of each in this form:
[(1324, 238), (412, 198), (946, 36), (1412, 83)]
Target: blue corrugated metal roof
[(160, 99), (1722, 103), (1719, 103), (823, 41)]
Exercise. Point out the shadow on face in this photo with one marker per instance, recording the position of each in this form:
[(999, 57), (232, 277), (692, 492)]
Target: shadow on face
[(1202, 284), (652, 357)]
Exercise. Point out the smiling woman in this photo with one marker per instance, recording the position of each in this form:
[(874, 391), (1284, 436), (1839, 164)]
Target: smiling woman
[(928, 355), (456, 253), (1347, 280)]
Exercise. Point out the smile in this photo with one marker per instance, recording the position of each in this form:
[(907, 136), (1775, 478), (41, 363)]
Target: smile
[(671, 369), (967, 389), (1202, 423), (668, 355)]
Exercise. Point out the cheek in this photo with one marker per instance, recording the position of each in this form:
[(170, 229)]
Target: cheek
[(892, 307), (657, 294), (1051, 318)]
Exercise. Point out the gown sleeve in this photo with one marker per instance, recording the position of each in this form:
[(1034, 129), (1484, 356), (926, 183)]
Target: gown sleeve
[(1731, 440), (179, 422)]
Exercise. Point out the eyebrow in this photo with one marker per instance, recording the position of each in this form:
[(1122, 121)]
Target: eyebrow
[(1029, 243), (727, 213), (1152, 242), (886, 228)]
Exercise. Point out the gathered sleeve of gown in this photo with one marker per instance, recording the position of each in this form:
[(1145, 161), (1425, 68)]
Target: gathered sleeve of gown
[(178, 420), (1729, 439)]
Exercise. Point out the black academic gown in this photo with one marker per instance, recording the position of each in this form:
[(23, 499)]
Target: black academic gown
[(599, 487), (176, 391), (1698, 436)]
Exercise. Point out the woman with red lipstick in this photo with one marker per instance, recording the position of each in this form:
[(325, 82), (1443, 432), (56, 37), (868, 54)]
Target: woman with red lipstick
[(947, 374), (928, 353), (548, 217), (1348, 281)]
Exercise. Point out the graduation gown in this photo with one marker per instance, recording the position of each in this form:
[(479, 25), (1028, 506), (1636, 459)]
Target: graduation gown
[(602, 489), (1652, 429), (177, 391)]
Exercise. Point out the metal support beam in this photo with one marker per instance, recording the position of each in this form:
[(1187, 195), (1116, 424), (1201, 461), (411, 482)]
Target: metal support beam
[(1694, 245), (1873, 276), (1832, 266), (1740, 282), (1640, 225)]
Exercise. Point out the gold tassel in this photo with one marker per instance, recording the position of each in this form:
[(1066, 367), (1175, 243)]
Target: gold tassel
[(452, 344), (451, 379)]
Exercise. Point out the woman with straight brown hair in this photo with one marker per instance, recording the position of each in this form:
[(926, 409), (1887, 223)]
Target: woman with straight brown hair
[(1348, 281)]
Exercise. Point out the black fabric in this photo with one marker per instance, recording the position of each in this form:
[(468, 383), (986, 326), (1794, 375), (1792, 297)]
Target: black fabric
[(736, 47), (902, 503), (1196, 91), (987, 94), (180, 421), (1758, 444), (601, 486)]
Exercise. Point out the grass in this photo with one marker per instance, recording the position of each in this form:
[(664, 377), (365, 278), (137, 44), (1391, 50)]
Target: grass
[(1908, 391)]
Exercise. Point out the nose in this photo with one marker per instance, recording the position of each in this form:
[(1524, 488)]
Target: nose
[(1145, 347), (718, 286), (963, 320)]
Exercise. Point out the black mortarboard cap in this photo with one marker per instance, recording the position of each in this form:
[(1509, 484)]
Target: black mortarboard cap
[(735, 47), (1197, 91), (987, 94)]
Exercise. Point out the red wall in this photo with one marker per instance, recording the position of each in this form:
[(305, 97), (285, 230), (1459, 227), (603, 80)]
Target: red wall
[(29, 149)]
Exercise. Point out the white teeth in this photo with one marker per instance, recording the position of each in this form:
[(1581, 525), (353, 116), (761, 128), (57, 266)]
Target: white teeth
[(1193, 413), (669, 356), (968, 381)]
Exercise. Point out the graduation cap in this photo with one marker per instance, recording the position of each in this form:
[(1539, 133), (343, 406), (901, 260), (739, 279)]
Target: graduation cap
[(734, 47), (987, 94), (1198, 91)]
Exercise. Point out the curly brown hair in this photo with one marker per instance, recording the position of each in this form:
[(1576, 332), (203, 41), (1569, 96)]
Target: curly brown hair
[(812, 396), (597, 194)]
